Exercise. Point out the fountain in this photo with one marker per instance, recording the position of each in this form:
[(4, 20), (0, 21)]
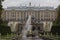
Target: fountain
[(27, 27)]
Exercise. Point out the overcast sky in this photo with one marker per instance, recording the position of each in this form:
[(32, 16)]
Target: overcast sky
[(53, 3)]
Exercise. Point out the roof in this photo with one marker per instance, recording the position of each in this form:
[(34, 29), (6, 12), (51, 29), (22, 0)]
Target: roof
[(30, 7)]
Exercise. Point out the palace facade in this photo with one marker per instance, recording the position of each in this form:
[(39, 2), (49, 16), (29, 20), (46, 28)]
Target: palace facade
[(42, 17)]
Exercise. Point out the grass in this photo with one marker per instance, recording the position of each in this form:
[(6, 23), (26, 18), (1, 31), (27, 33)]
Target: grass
[(50, 36), (7, 37)]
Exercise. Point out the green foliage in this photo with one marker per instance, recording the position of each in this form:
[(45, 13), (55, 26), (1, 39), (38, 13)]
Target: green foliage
[(1, 7), (56, 29), (58, 15), (56, 24), (4, 29)]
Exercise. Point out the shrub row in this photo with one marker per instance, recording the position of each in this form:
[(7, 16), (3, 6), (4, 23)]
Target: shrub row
[(55, 29), (4, 29)]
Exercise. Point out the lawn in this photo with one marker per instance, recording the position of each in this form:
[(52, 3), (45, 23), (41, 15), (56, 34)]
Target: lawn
[(7, 37)]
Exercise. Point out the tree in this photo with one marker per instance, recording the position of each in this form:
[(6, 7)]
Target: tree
[(58, 15), (1, 7), (56, 27)]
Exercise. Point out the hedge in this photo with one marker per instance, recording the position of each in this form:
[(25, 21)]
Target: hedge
[(4, 29), (55, 29)]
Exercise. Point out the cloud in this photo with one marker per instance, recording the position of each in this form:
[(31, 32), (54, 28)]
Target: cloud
[(54, 3)]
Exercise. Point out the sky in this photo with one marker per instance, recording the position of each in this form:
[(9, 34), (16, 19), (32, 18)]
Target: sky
[(52, 3)]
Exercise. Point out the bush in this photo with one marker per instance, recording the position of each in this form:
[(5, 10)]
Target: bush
[(4, 29), (56, 29)]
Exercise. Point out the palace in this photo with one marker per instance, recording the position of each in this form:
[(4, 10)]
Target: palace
[(42, 17)]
